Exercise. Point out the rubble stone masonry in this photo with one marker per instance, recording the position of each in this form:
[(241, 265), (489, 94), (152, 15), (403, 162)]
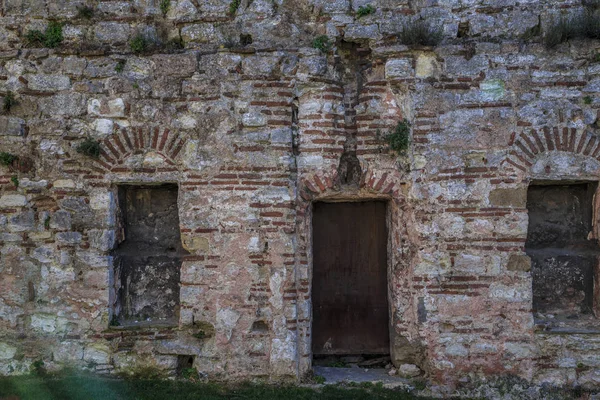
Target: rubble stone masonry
[(250, 135)]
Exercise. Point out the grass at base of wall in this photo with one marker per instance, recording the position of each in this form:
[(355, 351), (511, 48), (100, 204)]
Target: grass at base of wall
[(91, 387)]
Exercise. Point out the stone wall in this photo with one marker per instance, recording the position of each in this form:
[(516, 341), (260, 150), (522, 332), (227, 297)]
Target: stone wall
[(252, 134)]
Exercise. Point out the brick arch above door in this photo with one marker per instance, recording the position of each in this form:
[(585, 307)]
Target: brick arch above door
[(378, 182)]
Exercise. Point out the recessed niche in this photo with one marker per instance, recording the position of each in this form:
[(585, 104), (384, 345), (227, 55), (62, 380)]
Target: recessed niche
[(148, 258), (564, 255)]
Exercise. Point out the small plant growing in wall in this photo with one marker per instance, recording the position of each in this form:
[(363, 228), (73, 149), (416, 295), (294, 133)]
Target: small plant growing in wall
[(587, 100), (35, 37), (165, 5), (15, 180), (52, 37), (38, 368), (364, 11), (190, 374), (322, 43), (120, 66), (398, 139), (85, 12), (138, 44), (54, 34), (7, 159), (89, 147), (233, 6), (114, 321), (421, 33), (200, 335), (9, 101)]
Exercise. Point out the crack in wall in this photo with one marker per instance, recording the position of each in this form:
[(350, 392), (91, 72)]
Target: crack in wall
[(350, 62)]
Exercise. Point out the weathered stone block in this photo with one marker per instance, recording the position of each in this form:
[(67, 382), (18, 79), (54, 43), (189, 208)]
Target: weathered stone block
[(518, 351), (47, 323), (336, 6), (519, 263), (68, 237), (7, 351), (43, 254), (460, 66), (61, 220), (98, 353), (64, 184), (427, 65), (254, 119), (359, 31), (104, 126), (22, 221), (27, 183), (113, 33), (68, 352), (32, 8), (48, 83), (399, 69), (179, 65), (200, 33), (183, 9), (103, 240), (516, 197), (316, 65), (11, 126), (117, 8), (409, 370), (106, 108), (195, 243), (67, 104), (260, 65), (13, 200), (73, 65)]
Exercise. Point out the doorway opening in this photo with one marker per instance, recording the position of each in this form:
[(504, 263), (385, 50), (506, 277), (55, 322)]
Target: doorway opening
[(350, 310)]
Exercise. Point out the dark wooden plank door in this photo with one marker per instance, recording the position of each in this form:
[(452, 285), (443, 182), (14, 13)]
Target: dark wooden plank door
[(349, 288)]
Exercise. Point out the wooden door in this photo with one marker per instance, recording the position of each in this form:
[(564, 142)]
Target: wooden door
[(349, 288)]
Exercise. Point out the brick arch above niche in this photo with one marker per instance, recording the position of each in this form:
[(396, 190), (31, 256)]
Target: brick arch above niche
[(554, 151), (141, 149)]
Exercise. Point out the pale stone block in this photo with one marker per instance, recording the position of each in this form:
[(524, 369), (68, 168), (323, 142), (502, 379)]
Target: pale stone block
[(98, 353), (195, 243), (399, 69), (106, 108), (48, 83), (64, 184), (254, 119), (427, 65), (13, 200), (104, 126), (7, 351)]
